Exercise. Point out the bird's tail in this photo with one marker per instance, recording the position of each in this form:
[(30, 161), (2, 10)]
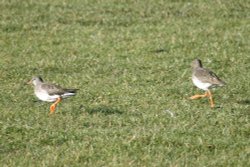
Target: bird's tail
[(221, 83), (69, 92)]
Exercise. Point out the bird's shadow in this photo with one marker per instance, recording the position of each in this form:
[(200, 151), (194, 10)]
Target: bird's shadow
[(244, 102), (106, 110), (161, 50)]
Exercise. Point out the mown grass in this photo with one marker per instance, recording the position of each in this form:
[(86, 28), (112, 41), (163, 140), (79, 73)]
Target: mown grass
[(131, 62)]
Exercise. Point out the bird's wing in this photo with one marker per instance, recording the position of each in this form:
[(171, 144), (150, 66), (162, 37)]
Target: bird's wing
[(53, 89), (205, 75)]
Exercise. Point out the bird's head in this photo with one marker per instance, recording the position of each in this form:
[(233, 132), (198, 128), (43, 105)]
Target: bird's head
[(196, 63), (35, 80)]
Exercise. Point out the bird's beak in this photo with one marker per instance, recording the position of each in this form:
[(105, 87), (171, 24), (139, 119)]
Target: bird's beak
[(29, 83)]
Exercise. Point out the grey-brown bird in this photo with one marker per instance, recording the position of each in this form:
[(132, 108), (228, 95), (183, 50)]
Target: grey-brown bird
[(50, 92), (204, 79)]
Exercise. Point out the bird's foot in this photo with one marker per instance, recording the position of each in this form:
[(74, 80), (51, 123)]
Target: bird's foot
[(53, 106), (52, 109), (211, 100), (212, 105), (198, 96)]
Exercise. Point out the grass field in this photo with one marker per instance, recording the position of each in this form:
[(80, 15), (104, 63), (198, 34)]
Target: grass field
[(131, 62)]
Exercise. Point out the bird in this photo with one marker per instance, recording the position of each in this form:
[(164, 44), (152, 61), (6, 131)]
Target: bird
[(204, 79), (50, 92)]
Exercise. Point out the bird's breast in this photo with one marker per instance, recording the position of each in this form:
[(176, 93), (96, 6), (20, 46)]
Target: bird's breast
[(199, 84), (44, 96)]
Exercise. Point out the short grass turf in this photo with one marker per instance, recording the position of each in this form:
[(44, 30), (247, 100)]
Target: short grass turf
[(131, 62)]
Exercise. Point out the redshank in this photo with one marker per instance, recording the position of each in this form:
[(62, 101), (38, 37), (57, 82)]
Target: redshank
[(50, 92), (204, 79)]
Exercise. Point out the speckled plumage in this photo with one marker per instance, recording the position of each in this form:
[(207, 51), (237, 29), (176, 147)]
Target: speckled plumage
[(204, 76), (50, 92), (204, 79)]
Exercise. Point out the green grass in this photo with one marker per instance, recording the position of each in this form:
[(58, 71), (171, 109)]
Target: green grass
[(131, 62)]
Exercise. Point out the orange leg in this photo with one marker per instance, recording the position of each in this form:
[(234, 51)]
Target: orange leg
[(199, 96), (53, 106), (211, 99)]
